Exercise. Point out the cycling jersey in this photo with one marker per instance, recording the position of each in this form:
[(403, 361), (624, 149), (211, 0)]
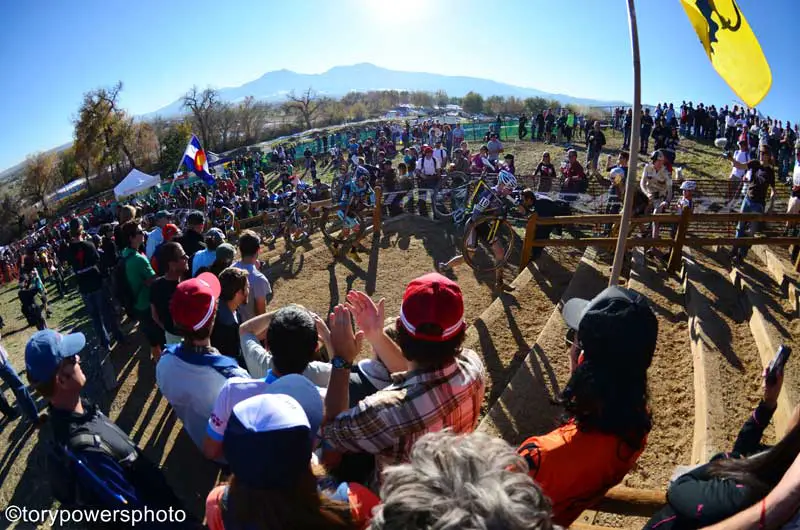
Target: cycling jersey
[(489, 202), (352, 190)]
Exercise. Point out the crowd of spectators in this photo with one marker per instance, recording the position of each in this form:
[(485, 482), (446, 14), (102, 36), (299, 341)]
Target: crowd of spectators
[(312, 433)]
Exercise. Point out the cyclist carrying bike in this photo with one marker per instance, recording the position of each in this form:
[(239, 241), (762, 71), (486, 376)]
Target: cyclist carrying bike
[(491, 202), (353, 191)]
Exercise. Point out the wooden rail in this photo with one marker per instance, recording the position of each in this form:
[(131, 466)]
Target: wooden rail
[(682, 236)]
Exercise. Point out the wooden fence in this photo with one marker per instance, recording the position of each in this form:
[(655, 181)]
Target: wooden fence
[(684, 235)]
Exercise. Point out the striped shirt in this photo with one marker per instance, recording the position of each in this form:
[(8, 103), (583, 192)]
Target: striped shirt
[(388, 422)]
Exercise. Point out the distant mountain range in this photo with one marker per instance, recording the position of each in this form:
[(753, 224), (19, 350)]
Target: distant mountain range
[(339, 80)]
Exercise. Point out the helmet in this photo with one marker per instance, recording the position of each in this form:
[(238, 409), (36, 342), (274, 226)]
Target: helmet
[(617, 172), (689, 185), (507, 179)]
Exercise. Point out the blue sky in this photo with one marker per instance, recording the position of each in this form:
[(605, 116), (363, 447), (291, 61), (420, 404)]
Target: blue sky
[(54, 51)]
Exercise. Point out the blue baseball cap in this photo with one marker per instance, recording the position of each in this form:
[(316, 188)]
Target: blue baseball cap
[(45, 351)]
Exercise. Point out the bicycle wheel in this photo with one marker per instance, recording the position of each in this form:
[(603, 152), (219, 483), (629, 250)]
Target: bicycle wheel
[(333, 229), (298, 233), (479, 241), (271, 227), (451, 194)]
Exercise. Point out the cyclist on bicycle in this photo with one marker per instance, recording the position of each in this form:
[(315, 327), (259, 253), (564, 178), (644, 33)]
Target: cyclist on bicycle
[(353, 191), (295, 201), (491, 202)]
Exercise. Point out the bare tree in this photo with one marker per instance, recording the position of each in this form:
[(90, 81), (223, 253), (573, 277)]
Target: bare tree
[(224, 125), (203, 106), (307, 105)]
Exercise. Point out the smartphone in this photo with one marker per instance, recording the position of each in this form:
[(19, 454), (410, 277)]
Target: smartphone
[(777, 364)]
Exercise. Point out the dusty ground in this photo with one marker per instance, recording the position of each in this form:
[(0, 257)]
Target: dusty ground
[(503, 335)]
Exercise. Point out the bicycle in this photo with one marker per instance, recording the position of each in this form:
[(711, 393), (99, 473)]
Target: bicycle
[(478, 242), (451, 194), (340, 227), (294, 225), (488, 243)]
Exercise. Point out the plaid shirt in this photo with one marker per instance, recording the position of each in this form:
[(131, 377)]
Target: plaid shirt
[(388, 422)]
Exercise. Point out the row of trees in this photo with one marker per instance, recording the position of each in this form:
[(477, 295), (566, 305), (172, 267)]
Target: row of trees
[(108, 141), (474, 103)]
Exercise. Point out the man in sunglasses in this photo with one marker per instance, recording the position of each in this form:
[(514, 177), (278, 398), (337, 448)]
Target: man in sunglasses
[(99, 465)]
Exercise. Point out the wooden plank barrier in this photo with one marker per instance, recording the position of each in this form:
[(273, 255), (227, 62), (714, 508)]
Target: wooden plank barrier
[(631, 501), (683, 235)]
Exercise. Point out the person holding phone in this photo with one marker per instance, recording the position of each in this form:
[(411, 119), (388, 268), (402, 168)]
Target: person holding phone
[(733, 481)]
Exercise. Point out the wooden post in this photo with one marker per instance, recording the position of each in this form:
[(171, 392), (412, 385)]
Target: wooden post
[(680, 237), (377, 214), (797, 263), (527, 245)]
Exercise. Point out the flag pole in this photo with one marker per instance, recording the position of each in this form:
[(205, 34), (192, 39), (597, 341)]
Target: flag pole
[(175, 178), (633, 161)]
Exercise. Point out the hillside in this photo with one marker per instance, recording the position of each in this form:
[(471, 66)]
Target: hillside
[(339, 80)]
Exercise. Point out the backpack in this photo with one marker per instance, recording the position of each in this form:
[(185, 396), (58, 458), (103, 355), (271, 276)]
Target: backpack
[(72, 483), (122, 289)]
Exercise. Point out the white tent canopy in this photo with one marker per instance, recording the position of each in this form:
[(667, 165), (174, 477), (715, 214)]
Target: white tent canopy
[(135, 182)]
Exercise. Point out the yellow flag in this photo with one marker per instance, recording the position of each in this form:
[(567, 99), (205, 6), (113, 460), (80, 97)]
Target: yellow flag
[(732, 47)]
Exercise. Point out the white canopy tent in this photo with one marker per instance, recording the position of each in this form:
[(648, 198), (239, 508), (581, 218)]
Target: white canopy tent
[(135, 182)]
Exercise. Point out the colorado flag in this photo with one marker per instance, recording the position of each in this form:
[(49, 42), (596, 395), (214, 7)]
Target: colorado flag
[(194, 158)]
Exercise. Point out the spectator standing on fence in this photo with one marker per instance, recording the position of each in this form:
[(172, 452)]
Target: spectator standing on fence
[(260, 289), (656, 183), (762, 179), (605, 401), (84, 259), (735, 179), (595, 141)]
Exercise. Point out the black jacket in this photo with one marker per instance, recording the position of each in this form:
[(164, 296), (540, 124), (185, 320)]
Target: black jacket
[(192, 242), (698, 499)]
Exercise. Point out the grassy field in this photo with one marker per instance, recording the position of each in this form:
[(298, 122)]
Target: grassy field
[(698, 160)]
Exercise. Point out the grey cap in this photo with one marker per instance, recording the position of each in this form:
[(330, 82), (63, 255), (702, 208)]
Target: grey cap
[(226, 251)]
